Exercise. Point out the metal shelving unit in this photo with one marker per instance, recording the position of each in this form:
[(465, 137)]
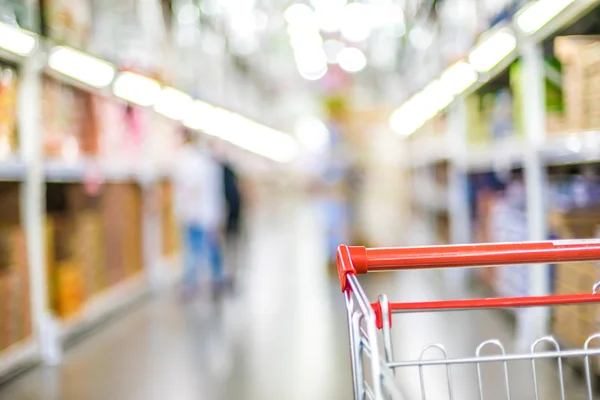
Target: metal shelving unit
[(532, 153)]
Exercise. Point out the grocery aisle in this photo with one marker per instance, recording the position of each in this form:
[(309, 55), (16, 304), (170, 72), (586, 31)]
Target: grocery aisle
[(282, 337)]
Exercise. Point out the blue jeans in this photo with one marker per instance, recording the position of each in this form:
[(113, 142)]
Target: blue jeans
[(196, 241)]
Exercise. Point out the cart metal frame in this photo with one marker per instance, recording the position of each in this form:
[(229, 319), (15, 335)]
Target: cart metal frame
[(369, 324)]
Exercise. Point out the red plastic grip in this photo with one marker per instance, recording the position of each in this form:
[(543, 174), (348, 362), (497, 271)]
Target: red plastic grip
[(379, 314), (351, 260), (360, 260)]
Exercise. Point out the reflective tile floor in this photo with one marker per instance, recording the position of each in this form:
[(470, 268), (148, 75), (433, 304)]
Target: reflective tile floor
[(281, 337)]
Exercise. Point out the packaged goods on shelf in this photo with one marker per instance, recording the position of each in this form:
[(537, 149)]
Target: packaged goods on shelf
[(132, 243), (69, 121), (555, 118), (121, 215), (490, 116), (8, 112), (498, 207), (68, 21), (88, 251), (65, 275), (572, 325), (170, 229), (15, 311), (579, 56)]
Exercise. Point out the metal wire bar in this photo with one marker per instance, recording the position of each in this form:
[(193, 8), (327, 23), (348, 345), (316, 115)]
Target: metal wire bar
[(551, 340), (500, 358), (448, 372)]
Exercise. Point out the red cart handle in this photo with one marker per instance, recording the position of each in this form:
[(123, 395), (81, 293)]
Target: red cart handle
[(360, 260)]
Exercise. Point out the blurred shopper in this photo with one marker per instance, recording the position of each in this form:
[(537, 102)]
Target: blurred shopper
[(199, 205), (233, 228)]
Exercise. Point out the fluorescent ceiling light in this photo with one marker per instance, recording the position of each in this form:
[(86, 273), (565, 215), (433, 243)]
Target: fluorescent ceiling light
[(313, 135), (173, 103), (136, 88), (240, 131), (313, 74), (459, 77), (352, 59), (82, 67), (332, 48), (16, 40), (539, 13), (298, 14), (437, 97), (308, 40), (420, 108), (491, 51), (356, 22)]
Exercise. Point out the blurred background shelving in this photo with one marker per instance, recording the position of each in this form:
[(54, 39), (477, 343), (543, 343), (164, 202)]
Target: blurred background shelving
[(520, 146)]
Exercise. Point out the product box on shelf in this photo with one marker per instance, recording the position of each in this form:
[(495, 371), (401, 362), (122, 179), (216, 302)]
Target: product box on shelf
[(69, 122), (113, 231), (553, 91), (573, 324), (170, 230), (15, 311), (132, 234), (68, 21), (579, 56), (8, 112), (88, 251)]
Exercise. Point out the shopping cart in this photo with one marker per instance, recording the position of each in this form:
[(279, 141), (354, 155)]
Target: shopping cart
[(369, 324)]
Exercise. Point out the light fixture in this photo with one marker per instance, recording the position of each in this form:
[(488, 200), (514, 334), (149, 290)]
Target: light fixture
[(310, 40), (332, 48), (136, 88), (312, 134), (311, 62), (436, 98), (82, 67), (493, 50), (240, 131), (173, 103), (352, 59), (298, 14), (459, 77), (539, 13), (420, 108), (355, 22), (16, 40), (200, 116)]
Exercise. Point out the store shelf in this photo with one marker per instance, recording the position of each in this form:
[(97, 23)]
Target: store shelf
[(103, 306), (430, 151), (571, 15), (12, 170), (429, 196), (571, 148), (61, 171), (19, 356), (501, 155)]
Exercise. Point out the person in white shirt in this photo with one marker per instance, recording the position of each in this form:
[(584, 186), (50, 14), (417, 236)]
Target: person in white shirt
[(199, 207)]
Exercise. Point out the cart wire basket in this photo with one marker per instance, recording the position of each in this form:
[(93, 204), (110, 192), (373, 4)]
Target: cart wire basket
[(370, 323)]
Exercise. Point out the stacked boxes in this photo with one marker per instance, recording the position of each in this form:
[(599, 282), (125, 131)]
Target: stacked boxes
[(580, 56), (170, 231), (65, 275), (122, 223), (15, 309), (572, 325)]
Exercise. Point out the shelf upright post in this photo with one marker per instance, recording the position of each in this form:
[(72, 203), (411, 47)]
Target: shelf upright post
[(32, 203), (458, 199), (533, 322)]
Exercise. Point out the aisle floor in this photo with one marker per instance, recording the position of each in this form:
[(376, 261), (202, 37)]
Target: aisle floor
[(282, 336)]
